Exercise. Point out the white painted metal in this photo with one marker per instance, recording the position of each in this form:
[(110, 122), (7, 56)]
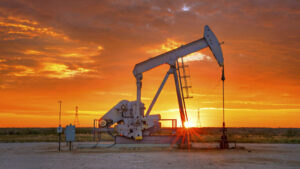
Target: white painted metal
[(214, 45), (124, 114), (129, 116), (183, 115), (157, 93), (138, 94), (59, 129), (169, 57), (209, 40)]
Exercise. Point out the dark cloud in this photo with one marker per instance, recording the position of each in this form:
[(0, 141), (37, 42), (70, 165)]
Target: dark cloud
[(128, 25)]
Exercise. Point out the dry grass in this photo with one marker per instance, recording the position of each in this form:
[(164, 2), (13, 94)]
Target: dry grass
[(241, 135)]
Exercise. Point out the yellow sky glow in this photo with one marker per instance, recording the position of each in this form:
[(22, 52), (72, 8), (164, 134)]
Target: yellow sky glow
[(85, 57)]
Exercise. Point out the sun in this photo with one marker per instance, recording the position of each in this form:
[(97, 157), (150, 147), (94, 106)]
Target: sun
[(187, 124)]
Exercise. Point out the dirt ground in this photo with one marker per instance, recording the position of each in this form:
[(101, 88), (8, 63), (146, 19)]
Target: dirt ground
[(46, 156)]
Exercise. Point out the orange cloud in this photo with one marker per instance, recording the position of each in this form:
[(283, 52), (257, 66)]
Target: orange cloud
[(60, 71), (23, 28), (54, 50)]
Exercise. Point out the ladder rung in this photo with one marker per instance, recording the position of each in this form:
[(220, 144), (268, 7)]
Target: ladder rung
[(183, 66), (185, 76), (188, 97), (186, 86)]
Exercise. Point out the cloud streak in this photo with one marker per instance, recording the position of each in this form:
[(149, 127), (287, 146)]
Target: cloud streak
[(83, 52)]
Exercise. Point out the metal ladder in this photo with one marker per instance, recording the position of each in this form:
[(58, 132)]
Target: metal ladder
[(183, 82), (184, 75)]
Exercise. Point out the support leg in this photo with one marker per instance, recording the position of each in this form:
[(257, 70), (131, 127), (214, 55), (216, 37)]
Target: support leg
[(157, 94), (182, 114), (137, 116), (138, 94)]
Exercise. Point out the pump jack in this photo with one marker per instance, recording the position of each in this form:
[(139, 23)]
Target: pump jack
[(129, 116)]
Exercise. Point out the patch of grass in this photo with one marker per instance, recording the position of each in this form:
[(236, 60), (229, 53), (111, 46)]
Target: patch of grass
[(240, 135)]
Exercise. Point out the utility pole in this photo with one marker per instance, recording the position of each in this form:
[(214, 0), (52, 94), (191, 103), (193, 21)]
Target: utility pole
[(59, 129), (198, 118), (76, 121)]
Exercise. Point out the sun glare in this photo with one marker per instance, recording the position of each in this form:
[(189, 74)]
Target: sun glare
[(187, 124)]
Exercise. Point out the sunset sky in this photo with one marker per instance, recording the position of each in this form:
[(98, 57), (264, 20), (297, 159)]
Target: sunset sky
[(83, 53)]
